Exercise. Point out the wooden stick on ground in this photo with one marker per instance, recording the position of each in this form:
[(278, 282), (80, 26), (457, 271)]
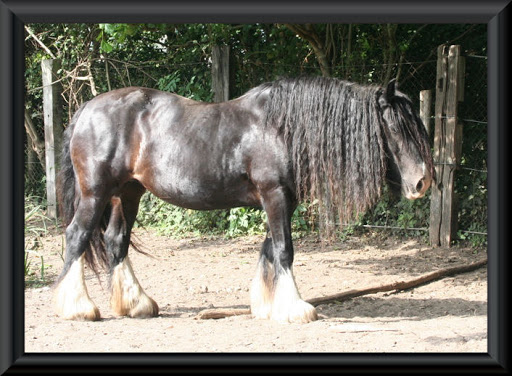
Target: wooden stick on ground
[(398, 286), (218, 313)]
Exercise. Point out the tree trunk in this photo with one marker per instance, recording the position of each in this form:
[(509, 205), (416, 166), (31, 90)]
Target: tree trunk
[(390, 50), (308, 33), (36, 142)]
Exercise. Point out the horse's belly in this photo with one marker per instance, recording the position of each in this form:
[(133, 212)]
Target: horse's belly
[(204, 192), (198, 166)]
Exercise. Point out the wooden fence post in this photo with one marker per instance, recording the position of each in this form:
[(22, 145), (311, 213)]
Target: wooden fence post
[(52, 111), (447, 145), (426, 108), (220, 73)]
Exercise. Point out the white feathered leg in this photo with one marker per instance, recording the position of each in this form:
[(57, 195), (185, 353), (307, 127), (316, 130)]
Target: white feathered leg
[(128, 297), (71, 299)]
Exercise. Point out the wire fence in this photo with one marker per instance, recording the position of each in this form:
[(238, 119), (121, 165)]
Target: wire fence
[(471, 178), (471, 182)]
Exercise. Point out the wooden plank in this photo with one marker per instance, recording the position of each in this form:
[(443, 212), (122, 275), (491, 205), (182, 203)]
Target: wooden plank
[(220, 73), (52, 112), (438, 155), (447, 146), (449, 223), (426, 108)]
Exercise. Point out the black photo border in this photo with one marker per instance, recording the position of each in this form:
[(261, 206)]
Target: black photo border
[(13, 15)]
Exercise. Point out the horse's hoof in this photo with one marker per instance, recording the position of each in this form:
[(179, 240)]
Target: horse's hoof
[(140, 307), (71, 300), (299, 312), (128, 297), (145, 308), (82, 310), (262, 312), (92, 315)]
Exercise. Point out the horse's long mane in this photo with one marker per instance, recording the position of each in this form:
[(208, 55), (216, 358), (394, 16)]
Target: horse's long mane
[(333, 132)]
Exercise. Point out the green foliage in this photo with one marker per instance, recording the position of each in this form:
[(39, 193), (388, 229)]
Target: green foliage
[(174, 221), (304, 218), (188, 86), (399, 213), (472, 186), (35, 181), (246, 221)]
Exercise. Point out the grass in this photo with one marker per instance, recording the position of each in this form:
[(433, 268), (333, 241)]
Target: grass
[(35, 228)]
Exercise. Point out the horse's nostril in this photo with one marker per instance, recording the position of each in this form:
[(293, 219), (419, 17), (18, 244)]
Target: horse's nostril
[(419, 186)]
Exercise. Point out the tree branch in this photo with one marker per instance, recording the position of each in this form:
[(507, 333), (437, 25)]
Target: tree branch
[(399, 286), (91, 80), (308, 33), (31, 33), (37, 142), (427, 60)]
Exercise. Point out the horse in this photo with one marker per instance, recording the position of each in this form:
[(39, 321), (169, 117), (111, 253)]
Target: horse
[(279, 144)]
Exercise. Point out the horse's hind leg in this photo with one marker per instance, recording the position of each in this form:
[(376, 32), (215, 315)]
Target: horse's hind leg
[(274, 293), (71, 298), (128, 297)]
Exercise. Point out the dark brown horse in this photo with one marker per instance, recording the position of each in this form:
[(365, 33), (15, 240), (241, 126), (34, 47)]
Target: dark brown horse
[(280, 143)]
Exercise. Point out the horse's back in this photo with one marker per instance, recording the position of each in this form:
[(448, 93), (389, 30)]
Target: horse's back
[(189, 153)]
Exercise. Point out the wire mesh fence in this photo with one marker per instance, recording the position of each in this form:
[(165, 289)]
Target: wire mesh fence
[(471, 182), (35, 175)]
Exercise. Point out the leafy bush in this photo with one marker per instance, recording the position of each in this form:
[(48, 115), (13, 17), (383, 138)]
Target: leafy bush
[(472, 187), (174, 221), (400, 214)]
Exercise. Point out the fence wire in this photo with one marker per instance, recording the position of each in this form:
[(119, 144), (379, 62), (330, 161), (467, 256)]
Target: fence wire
[(471, 178)]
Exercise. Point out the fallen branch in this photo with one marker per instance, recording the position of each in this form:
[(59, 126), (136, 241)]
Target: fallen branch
[(220, 313), (396, 286), (401, 285)]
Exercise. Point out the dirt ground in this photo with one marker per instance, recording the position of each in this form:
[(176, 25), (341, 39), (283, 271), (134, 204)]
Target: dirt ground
[(188, 275)]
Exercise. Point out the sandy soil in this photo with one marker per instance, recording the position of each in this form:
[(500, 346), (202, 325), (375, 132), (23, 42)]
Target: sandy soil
[(188, 275)]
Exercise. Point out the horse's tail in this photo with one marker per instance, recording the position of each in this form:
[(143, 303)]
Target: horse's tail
[(68, 193), (66, 179)]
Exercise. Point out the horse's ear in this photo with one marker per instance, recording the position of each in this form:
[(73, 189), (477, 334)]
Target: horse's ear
[(391, 89), (389, 93)]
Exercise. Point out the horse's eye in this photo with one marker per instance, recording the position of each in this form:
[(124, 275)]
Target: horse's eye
[(393, 127)]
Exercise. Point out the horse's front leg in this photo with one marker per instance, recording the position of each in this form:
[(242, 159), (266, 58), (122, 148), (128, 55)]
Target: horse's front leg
[(274, 293)]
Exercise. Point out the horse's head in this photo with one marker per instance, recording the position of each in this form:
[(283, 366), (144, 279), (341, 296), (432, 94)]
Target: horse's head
[(410, 167)]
